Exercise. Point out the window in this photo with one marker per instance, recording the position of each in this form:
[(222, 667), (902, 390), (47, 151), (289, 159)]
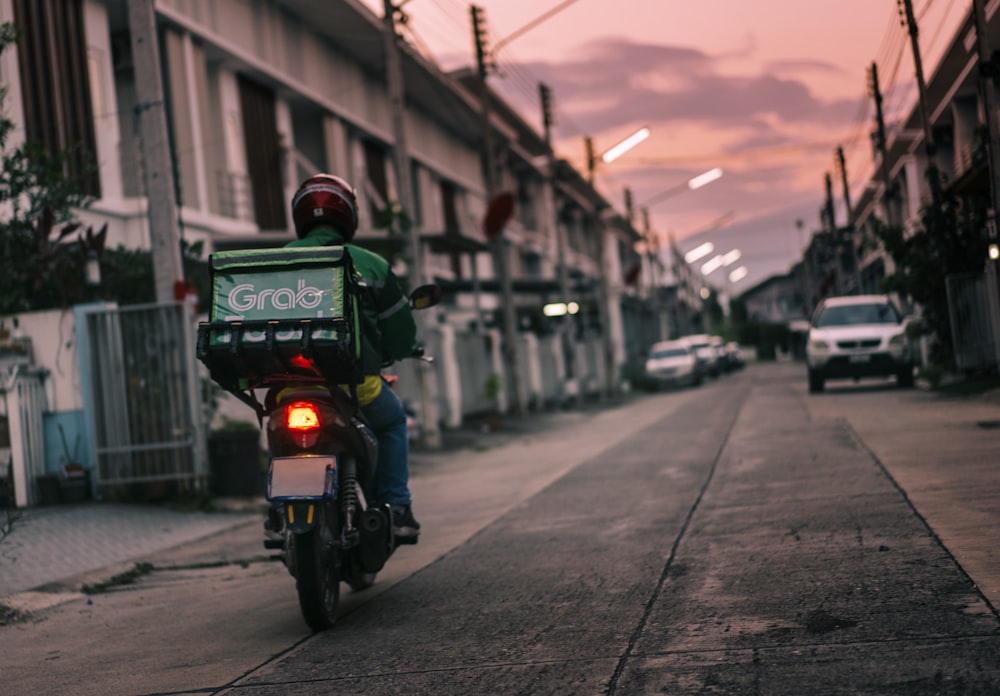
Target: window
[(376, 178), (52, 53), (451, 228), (526, 205), (263, 148)]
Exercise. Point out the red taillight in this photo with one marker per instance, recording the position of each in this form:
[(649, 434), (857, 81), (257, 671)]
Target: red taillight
[(301, 362), (302, 417)]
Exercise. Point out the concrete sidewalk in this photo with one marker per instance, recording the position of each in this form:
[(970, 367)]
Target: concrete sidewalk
[(48, 545)]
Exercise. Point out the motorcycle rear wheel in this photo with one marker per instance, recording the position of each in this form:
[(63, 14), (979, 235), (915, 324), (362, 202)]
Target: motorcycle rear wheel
[(317, 579)]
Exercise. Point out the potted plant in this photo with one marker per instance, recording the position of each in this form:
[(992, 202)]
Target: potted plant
[(492, 390)]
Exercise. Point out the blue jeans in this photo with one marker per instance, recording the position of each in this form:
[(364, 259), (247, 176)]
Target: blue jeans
[(387, 419)]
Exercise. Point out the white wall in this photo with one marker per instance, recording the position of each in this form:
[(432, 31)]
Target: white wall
[(53, 338)]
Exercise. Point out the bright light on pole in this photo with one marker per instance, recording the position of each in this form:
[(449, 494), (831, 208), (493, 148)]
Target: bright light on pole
[(706, 178), (695, 182), (731, 257), (625, 145), (738, 275), (712, 265), (700, 251), (720, 261), (560, 309)]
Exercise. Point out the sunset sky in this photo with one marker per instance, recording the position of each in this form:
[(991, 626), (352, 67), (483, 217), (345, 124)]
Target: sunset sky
[(765, 89)]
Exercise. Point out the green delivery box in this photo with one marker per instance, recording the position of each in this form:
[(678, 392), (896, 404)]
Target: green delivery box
[(282, 313)]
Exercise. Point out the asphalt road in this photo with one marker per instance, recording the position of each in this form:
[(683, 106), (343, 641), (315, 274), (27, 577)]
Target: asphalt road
[(743, 537)]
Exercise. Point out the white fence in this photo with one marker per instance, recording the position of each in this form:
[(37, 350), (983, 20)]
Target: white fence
[(22, 405), (469, 373)]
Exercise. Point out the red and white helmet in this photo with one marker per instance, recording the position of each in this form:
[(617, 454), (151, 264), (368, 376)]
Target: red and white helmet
[(325, 199)]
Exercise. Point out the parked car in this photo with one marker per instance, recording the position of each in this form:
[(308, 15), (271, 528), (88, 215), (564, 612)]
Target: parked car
[(672, 363), (701, 344), (721, 357), (734, 356), (858, 336)]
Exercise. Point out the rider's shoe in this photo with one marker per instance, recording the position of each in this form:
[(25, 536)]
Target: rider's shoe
[(404, 524)]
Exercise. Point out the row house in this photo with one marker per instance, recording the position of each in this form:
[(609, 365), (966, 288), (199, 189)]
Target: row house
[(899, 191), (260, 94)]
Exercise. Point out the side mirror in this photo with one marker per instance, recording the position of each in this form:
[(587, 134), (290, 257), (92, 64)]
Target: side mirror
[(425, 296)]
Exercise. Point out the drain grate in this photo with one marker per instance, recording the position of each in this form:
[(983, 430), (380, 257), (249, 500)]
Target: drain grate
[(989, 425)]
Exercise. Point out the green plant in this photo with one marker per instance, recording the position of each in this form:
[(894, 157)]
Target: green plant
[(43, 249), (492, 387)]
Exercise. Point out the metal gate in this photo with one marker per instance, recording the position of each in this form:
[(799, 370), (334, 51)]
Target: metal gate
[(142, 397), (971, 331)]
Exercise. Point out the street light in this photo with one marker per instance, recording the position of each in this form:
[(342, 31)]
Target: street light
[(700, 251), (695, 182), (616, 151), (721, 261), (738, 275), (613, 152)]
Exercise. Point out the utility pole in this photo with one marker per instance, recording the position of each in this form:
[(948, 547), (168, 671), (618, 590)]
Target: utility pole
[(499, 243), (588, 145), (831, 226), (988, 75), (545, 94), (568, 319), (929, 147), (882, 145), (652, 253), (401, 160), (603, 313), (158, 173), (850, 220)]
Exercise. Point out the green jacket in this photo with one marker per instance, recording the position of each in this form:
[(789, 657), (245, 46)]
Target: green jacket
[(388, 331)]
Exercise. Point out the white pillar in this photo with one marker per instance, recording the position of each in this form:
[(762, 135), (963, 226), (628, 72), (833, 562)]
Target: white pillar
[(448, 363)]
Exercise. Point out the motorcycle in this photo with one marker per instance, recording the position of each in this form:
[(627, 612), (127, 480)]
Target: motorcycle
[(320, 484)]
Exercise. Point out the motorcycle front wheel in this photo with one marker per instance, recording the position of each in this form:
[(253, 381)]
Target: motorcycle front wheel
[(317, 579)]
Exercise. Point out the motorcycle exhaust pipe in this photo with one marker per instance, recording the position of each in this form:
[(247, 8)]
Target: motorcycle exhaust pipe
[(376, 538)]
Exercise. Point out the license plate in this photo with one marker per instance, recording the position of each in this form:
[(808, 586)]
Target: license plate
[(301, 477), (860, 358)]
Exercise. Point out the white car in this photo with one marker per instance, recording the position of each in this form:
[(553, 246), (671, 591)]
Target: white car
[(672, 363), (701, 345), (858, 336)]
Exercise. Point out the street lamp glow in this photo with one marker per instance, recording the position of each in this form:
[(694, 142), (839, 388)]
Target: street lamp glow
[(691, 184), (706, 178), (699, 251), (994, 252), (712, 265), (560, 309), (738, 275), (731, 257), (624, 146)]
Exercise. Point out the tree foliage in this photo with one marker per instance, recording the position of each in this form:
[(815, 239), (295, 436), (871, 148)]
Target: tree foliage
[(44, 248), (951, 239), (39, 240)]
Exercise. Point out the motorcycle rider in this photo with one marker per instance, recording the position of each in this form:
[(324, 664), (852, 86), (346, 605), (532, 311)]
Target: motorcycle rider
[(325, 213)]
